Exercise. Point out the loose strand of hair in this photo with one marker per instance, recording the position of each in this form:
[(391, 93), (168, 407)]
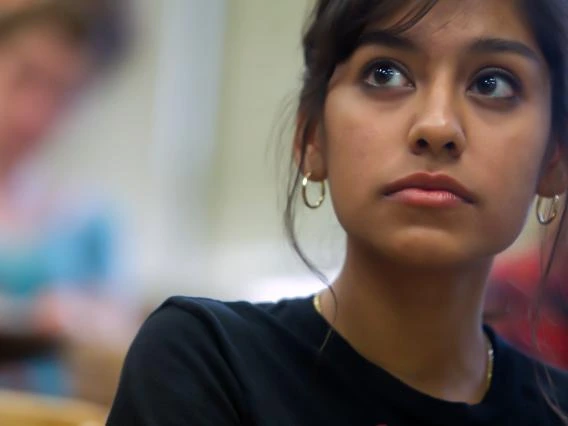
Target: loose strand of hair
[(547, 389)]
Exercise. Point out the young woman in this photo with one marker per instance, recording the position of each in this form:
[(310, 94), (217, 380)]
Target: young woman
[(435, 124)]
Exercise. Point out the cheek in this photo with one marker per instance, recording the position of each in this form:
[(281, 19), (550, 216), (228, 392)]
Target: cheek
[(366, 147), (362, 143), (506, 164)]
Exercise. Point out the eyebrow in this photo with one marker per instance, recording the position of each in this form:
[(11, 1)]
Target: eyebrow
[(480, 45), (387, 39), (499, 45)]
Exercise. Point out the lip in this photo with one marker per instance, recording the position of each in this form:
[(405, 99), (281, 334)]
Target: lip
[(427, 188)]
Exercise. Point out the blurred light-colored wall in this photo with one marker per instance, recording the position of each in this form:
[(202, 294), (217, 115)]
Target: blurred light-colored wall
[(262, 76)]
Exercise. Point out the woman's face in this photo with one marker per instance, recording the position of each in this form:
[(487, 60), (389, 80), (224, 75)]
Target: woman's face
[(434, 142), (39, 72)]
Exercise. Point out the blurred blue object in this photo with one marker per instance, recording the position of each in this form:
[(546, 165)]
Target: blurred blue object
[(71, 254)]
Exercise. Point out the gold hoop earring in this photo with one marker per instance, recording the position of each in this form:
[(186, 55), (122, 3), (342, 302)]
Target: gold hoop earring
[(319, 202), (548, 216)]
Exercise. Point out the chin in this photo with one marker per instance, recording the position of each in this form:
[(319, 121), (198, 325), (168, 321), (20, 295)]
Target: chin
[(428, 248)]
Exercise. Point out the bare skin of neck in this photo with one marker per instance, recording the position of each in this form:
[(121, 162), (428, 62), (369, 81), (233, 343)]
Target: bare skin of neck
[(421, 325)]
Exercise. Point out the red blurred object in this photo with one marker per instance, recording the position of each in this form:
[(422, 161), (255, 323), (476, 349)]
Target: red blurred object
[(515, 302)]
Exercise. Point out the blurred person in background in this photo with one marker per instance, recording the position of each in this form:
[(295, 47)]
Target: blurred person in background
[(57, 253)]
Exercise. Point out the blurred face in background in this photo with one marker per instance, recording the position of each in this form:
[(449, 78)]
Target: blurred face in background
[(40, 71)]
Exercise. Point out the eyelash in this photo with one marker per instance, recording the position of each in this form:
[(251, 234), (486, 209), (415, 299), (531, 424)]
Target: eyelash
[(384, 62), (508, 76)]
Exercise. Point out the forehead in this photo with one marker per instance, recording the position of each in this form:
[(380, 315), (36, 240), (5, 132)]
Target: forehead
[(452, 23), (42, 48), (14, 5), (42, 37)]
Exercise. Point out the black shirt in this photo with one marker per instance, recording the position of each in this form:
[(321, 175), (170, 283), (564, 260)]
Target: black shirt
[(201, 362)]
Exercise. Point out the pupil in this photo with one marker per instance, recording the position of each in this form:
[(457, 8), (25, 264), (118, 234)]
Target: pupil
[(384, 74), (487, 85)]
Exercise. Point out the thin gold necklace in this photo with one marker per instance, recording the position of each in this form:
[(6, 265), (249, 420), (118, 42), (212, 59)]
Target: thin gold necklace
[(490, 353)]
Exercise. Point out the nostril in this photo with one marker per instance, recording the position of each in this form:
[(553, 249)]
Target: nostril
[(422, 144), (451, 146)]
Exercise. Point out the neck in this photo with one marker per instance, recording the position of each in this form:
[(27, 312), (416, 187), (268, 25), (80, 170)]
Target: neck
[(425, 322)]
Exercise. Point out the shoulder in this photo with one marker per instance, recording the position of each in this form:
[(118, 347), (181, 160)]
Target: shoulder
[(178, 369), (191, 310), (193, 324), (187, 312), (538, 387), (552, 387), (191, 357), (210, 334), (528, 367), (554, 382), (184, 323)]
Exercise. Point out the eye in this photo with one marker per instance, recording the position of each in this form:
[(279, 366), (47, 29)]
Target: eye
[(496, 85), (386, 74)]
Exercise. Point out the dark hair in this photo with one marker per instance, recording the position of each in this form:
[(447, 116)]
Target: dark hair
[(330, 38), (98, 25)]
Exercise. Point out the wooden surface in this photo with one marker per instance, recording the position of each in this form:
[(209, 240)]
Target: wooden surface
[(21, 409)]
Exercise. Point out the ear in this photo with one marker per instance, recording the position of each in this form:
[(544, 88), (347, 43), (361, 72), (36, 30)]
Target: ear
[(309, 141), (554, 176)]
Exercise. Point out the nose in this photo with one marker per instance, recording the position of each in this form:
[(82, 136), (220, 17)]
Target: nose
[(437, 128)]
